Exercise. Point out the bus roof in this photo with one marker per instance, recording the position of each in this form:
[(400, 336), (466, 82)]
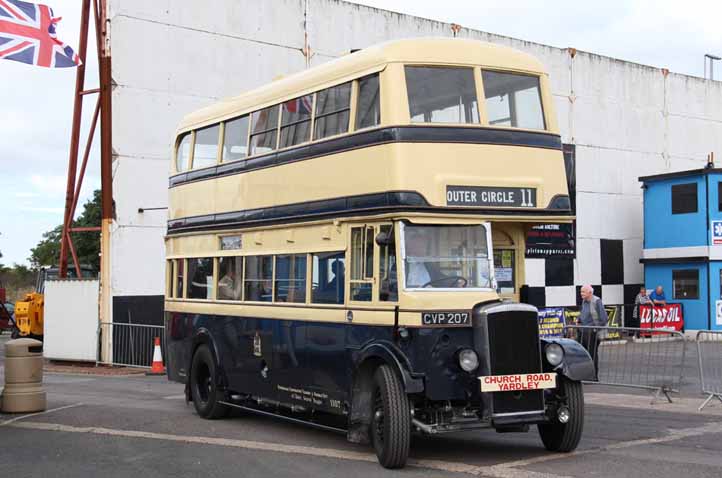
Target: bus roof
[(366, 61)]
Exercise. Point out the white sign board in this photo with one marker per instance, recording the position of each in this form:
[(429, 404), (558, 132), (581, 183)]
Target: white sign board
[(71, 320), (522, 381), (718, 315)]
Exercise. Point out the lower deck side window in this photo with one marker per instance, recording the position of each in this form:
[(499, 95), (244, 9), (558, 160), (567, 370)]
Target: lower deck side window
[(328, 277), (200, 272), (291, 278), (258, 285), (230, 276)]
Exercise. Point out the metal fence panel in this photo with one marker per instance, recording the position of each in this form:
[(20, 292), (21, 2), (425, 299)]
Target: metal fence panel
[(709, 351), (634, 357), (131, 344)]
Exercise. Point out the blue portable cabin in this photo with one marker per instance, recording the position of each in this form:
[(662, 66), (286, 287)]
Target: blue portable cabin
[(683, 241)]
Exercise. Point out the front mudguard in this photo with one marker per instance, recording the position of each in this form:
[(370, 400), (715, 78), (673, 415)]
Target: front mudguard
[(389, 353), (577, 364)]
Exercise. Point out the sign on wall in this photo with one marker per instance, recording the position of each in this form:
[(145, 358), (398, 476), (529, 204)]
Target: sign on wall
[(550, 240), (716, 228), (718, 315), (551, 322), (661, 316)]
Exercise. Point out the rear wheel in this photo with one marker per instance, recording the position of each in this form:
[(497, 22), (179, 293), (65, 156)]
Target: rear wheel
[(564, 437), (204, 386), (391, 423)]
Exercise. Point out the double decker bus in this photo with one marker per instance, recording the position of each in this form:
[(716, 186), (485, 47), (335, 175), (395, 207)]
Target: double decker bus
[(345, 248)]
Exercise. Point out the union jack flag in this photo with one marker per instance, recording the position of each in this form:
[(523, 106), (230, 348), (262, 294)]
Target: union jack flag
[(302, 105), (27, 34)]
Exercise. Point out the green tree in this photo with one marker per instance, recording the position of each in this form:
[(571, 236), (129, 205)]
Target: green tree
[(87, 244)]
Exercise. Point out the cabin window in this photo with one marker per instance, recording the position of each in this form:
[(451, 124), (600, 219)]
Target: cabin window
[(296, 121), (362, 259), (368, 108), (328, 277), (684, 198), (230, 277), (513, 100), (446, 257), (205, 151), (200, 272), (264, 126), (388, 289), (291, 278), (258, 284), (685, 284), (183, 153), (180, 272), (235, 139), (333, 106), (441, 95)]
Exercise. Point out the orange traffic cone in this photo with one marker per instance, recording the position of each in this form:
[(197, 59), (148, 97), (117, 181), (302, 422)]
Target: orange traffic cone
[(157, 367)]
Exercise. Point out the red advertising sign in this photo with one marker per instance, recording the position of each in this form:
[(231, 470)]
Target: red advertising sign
[(661, 316)]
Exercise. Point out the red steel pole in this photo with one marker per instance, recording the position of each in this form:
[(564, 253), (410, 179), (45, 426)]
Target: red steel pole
[(74, 142)]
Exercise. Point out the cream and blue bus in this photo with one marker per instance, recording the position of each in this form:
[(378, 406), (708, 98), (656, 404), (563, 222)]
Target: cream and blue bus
[(345, 248)]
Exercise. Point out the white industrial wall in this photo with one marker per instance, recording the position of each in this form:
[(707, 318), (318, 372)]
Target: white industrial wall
[(171, 57)]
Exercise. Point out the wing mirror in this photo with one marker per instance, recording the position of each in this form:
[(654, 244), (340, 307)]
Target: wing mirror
[(384, 238)]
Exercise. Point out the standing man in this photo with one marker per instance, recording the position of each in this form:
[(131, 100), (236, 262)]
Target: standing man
[(592, 315), (657, 297)]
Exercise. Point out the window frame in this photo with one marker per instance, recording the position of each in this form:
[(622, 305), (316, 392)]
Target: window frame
[(355, 95), (350, 281), (482, 95), (350, 109), (192, 146), (277, 129), (222, 141), (281, 126), (217, 277), (218, 145), (481, 111), (679, 206), (674, 284), (213, 279)]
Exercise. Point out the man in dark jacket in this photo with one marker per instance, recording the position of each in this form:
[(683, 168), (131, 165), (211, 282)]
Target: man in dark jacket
[(592, 315)]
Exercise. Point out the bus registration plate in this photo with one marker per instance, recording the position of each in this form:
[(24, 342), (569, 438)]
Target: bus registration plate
[(522, 381)]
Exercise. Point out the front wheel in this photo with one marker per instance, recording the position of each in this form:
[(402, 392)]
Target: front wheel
[(391, 423), (204, 385), (564, 437)]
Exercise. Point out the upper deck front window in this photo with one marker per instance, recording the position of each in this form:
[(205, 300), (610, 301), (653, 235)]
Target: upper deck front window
[(444, 257), (441, 95), (513, 100)]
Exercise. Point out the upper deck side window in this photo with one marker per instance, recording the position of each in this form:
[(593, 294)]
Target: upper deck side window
[(333, 108), (513, 100), (205, 150), (441, 94), (368, 106), (264, 128), (183, 152), (296, 121), (235, 139)]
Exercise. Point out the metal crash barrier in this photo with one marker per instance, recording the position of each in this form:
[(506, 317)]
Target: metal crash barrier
[(634, 357), (131, 345), (709, 351)]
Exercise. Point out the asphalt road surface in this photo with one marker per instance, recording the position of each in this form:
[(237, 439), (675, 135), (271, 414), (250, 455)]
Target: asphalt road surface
[(125, 426)]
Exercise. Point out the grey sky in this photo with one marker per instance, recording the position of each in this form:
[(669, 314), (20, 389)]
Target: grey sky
[(37, 107)]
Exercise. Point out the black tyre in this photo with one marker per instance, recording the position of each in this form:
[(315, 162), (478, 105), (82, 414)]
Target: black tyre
[(391, 421), (564, 437), (204, 387)]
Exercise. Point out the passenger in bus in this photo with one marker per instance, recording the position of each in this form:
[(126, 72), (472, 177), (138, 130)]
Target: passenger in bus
[(335, 285), (229, 286)]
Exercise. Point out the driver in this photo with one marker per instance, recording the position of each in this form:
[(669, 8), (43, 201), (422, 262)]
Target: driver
[(417, 274)]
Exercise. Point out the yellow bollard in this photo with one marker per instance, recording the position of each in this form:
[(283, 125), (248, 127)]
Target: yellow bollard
[(23, 390)]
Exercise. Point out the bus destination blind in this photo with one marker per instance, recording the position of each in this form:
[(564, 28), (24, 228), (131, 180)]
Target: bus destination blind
[(489, 196)]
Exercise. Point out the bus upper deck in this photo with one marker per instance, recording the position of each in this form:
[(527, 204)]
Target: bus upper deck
[(435, 125)]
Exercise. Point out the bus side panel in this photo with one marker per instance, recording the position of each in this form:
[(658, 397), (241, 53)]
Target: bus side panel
[(179, 333)]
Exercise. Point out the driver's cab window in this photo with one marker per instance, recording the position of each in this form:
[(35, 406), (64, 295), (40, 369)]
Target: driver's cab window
[(388, 285), (442, 257), (362, 260)]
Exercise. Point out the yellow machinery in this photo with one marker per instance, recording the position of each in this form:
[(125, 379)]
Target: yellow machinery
[(29, 315)]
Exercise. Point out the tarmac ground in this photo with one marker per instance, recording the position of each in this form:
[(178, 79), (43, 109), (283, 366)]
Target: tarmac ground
[(125, 425)]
